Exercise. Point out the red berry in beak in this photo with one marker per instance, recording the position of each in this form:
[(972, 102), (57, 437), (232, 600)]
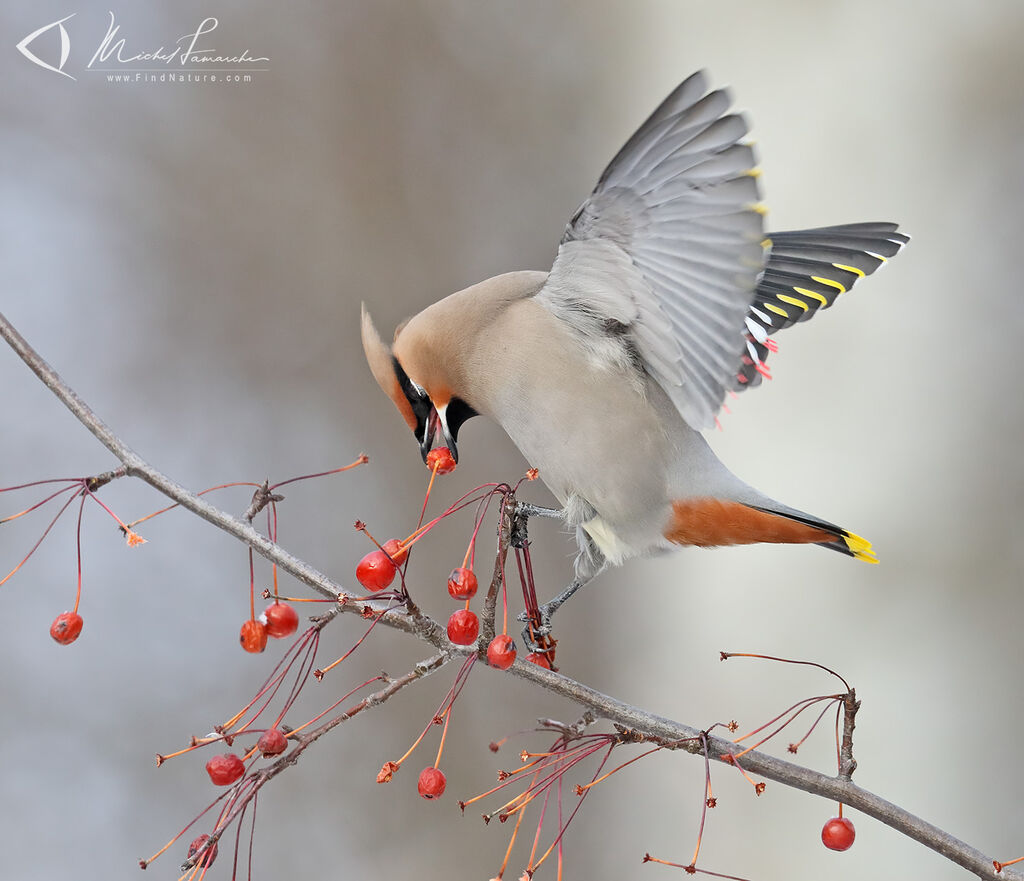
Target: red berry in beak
[(441, 460)]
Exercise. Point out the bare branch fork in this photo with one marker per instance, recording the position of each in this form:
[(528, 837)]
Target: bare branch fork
[(652, 727)]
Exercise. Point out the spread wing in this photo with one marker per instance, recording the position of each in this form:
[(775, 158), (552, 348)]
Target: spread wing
[(666, 253)]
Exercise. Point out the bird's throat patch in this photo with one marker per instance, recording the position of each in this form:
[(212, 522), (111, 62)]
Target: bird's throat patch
[(710, 523)]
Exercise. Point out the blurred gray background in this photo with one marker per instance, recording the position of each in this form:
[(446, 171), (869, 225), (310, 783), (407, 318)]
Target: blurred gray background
[(192, 258)]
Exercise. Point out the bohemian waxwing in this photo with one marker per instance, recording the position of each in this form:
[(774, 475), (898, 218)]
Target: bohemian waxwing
[(605, 370)]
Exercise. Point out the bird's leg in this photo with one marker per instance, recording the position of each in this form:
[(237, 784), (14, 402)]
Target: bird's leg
[(521, 518), (537, 627), (540, 627), (528, 510)]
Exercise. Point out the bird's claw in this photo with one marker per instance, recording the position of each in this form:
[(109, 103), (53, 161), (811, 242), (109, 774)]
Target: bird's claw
[(537, 627)]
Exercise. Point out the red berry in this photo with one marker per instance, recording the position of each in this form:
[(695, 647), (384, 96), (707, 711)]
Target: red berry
[(432, 783), (209, 856), (253, 636), (463, 627), (375, 571), (281, 620), (838, 834), (501, 653), (441, 460), (462, 584), (272, 743), (393, 548), (226, 769), (66, 627), (540, 659)]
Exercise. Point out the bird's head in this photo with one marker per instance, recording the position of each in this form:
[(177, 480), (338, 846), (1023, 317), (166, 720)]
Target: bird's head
[(419, 373)]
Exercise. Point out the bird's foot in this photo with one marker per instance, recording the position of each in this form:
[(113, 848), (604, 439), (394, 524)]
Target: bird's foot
[(537, 626)]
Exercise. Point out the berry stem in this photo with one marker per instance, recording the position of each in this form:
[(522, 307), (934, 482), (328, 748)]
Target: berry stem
[(362, 460), (839, 748), (426, 497), (540, 825), (252, 587), (344, 697), (607, 774), (309, 642), (795, 746), (98, 501), (46, 532), (54, 495), (76, 481), (444, 735), (78, 547), (575, 810), (272, 531), (792, 711), (376, 619), (202, 493), (508, 852), (445, 705), (707, 797), (726, 655)]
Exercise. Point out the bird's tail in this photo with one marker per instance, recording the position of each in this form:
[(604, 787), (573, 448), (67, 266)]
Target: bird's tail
[(845, 542), (714, 522)]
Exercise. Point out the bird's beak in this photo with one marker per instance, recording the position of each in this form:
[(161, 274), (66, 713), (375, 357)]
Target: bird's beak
[(429, 430), (436, 419)]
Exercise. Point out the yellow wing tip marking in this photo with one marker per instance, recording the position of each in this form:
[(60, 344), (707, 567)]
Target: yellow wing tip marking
[(758, 208), (814, 295), (830, 282), (778, 310), (753, 172), (793, 301), (852, 269), (860, 548), (766, 243)]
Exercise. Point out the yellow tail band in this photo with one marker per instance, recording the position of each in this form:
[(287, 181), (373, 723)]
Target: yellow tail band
[(860, 548)]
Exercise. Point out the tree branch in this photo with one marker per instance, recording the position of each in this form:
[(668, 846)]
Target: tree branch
[(653, 727)]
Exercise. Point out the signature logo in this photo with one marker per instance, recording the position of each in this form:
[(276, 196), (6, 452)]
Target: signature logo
[(190, 52), (65, 46)]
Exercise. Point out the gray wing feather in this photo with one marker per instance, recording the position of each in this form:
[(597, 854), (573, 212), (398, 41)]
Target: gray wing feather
[(669, 245)]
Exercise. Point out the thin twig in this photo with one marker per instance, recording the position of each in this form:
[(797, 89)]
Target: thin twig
[(487, 626), (260, 778), (847, 763)]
